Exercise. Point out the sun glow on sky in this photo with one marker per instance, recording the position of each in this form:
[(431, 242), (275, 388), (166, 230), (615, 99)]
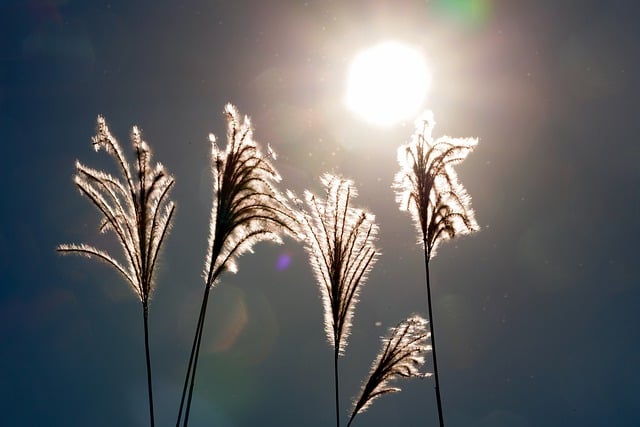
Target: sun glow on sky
[(387, 83)]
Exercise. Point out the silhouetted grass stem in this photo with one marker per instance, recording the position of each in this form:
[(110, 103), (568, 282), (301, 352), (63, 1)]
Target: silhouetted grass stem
[(433, 339), (145, 309), (197, 342), (335, 370), (189, 377)]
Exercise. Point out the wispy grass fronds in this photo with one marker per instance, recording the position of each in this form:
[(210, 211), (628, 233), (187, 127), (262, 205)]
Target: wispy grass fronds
[(247, 209), (340, 244), (401, 356), (136, 207), (428, 187)]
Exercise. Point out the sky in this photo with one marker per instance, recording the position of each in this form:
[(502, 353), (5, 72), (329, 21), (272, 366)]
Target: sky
[(536, 315)]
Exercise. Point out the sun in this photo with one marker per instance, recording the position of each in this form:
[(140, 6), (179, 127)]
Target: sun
[(387, 83)]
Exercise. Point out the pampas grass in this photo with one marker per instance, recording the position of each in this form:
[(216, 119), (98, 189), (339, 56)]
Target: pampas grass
[(340, 244), (247, 209), (137, 209), (427, 186), (401, 356)]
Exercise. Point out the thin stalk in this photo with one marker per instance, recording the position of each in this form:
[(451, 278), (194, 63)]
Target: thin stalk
[(350, 420), (335, 370), (197, 353), (433, 336), (145, 310), (191, 357)]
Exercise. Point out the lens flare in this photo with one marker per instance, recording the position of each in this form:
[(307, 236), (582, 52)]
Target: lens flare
[(469, 12), (284, 261)]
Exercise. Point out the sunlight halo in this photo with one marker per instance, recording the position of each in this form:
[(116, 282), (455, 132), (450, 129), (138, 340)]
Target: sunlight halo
[(387, 83)]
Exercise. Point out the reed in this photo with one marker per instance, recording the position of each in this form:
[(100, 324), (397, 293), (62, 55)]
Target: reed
[(137, 209), (401, 356), (247, 208), (340, 244), (427, 186)]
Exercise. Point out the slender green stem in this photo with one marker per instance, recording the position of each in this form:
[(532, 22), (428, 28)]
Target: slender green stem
[(433, 338), (191, 357), (145, 311), (335, 370)]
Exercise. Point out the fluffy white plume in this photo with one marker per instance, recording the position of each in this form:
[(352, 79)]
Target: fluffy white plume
[(428, 187), (340, 244), (136, 208), (402, 355), (247, 207)]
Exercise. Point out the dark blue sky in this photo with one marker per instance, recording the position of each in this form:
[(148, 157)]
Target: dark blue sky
[(537, 315)]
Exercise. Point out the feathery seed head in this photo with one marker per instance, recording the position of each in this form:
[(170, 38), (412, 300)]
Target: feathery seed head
[(428, 187), (139, 212), (340, 244), (402, 355), (247, 207)]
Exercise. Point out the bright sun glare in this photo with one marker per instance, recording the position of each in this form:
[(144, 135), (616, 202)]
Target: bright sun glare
[(387, 83)]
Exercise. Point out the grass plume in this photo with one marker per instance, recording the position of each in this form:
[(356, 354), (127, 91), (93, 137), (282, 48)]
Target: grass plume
[(401, 356), (340, 244), (428, 187), (136, 207), (247, 209)]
